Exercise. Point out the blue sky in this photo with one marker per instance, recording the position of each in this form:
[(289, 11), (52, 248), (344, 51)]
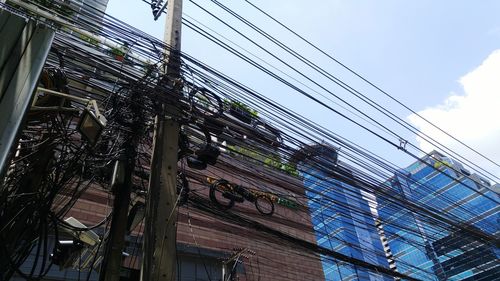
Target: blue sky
[(418, 51)]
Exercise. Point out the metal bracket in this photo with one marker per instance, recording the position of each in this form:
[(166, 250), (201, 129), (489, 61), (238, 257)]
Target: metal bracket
[(90, 103)]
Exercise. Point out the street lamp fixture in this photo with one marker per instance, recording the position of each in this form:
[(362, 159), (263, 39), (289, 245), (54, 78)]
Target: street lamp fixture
[(91, 126)]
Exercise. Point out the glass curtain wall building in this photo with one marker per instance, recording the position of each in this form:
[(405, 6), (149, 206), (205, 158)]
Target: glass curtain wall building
[(341, 216), (421, 247)]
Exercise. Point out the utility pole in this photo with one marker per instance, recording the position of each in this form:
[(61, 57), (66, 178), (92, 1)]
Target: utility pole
[(111, 265), (121, 184), (159, 256)]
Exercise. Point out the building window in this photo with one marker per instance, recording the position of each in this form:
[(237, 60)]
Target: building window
[(198, 268)]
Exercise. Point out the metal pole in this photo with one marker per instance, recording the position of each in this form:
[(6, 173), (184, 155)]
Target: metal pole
[(159, 255), (23, 51)]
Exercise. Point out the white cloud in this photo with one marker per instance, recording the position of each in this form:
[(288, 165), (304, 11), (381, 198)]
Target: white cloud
[(473, 118)]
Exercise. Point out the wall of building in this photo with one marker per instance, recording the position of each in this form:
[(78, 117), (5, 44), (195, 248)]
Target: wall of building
[(205, 241), (431, 253), (274, 258), (342, 220)]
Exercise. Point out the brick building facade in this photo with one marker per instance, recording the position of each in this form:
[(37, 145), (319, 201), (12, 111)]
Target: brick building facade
[(206, 241)]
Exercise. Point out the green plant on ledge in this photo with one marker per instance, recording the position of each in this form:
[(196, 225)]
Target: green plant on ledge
[(272, 161), (237, 105), (290, 169), (90, 40), (118, 53)]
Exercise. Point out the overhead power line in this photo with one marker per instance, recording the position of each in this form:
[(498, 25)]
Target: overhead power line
[(369, 82)]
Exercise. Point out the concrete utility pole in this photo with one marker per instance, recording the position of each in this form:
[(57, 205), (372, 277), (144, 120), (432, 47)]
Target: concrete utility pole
[(122, 186), (111, 265), (159, 256)]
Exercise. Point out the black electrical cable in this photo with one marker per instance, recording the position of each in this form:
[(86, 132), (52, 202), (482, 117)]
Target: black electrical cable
[(367, 81), (125, 73)]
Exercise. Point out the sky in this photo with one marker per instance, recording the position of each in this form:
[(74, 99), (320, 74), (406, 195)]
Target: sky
[(440, 58)]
